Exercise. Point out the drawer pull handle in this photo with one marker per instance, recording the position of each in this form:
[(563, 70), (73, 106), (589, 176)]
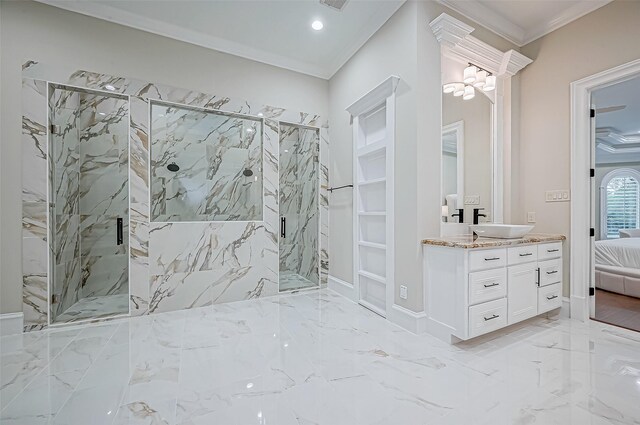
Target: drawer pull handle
[(552, 297), (552, 250), (526, 254), (495, 316), (553, 272), (492, 259), (491, 285)]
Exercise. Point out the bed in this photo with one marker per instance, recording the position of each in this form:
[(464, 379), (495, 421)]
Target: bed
[(617, 264)]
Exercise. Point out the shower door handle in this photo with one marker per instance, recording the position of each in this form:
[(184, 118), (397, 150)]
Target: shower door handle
[(119, 231), (283, 227)]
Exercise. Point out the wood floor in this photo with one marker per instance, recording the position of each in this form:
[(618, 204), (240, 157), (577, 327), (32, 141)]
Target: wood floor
[(618, 310)]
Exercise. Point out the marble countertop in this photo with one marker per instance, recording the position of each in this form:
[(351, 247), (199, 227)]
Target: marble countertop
[(467, 241)]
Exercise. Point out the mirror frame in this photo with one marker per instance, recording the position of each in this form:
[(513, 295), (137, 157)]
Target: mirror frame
[(457, 43)]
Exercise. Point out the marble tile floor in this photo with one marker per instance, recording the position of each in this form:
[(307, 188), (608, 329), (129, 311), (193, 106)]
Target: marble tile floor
[(95, 308), (291, 281), (315, 358)]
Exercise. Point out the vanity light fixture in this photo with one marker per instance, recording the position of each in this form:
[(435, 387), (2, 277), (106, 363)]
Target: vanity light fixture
[(470, 74), (481, 79), (317, 25), (469, 93), (474, 77), (459, 89)]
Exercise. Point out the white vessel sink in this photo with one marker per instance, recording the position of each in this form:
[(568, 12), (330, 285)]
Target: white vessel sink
[(501, 231)]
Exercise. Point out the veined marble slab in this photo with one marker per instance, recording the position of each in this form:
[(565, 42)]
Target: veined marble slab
[(468, 241)]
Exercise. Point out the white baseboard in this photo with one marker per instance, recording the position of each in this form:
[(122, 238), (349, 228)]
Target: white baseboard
[(11, 323), (407, 319), (342, 287)]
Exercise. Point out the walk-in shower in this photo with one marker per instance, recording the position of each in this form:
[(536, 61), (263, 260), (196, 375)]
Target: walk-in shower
[(299, 207), (89, 203)]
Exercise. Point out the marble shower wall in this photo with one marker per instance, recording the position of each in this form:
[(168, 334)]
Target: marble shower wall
[(213, 152), (172, 265), (88, 172), (299, 171)]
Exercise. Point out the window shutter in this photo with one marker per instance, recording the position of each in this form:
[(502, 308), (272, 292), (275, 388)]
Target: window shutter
[(623, 195)]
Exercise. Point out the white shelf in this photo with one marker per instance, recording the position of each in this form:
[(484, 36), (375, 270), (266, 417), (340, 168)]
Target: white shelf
[(372, 245), (372, 213), (372, 276), (372, 148), (372, 181)]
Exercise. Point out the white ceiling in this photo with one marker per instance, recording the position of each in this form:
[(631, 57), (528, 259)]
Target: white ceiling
[(619, 129), (523, 21), (275, 32)]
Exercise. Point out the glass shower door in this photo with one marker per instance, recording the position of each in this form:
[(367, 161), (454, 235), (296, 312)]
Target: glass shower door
[(299, 207), (89, 204)]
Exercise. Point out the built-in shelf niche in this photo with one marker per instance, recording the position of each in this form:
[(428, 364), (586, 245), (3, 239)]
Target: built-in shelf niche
[(373, 142)]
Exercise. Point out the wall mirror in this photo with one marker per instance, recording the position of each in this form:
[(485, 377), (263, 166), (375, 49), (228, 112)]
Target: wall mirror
[(467, 150)]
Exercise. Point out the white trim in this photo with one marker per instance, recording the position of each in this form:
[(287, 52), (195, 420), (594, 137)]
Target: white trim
[(581, 161), (407, 319), (11, 323), (342, 287), (166, 29), (374, 97), (565, 310), (514, 33), (618, 172)]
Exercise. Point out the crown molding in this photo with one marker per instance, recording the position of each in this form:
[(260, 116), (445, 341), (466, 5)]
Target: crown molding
[(374, 97), (493, 21), (458, 43), (325, 71)]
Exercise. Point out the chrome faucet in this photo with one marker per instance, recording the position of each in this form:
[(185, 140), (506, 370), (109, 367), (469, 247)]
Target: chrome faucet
[(477, 215)]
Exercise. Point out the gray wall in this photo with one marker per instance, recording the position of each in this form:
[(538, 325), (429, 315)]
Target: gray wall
[(30, 30), (596, 42)]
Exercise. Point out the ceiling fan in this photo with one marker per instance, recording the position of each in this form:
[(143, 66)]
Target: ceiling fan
[(610, 109)]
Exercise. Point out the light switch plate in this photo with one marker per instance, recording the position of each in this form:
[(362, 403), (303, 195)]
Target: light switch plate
[(557, 196), (472, 200), (531, 217), (403, 292)]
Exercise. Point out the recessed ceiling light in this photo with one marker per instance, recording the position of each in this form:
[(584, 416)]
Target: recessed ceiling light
[(109, 87), (317, 25)]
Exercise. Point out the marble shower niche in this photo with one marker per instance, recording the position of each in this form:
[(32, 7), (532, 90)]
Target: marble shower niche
[(89, 208), (299, 207), (206, 234)]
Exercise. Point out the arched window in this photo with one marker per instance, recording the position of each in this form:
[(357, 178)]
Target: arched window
[(619, 202)]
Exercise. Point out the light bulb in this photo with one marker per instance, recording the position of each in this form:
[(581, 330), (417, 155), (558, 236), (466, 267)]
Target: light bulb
[(459, 89), (469, 93), (470, 74), (490, 84), (449, 88), (481, 79), (317, 25)]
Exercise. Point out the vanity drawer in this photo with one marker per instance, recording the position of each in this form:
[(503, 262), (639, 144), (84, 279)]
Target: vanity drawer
[(487, 317), (522, 254), (550, 271), (487, 285), (487, 259), (550, 250), (549, 297)]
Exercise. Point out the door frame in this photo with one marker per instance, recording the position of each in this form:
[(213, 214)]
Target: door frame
[(581, 269)]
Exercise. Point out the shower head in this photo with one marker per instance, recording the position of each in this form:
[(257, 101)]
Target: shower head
[(173, 167), (247, 172)]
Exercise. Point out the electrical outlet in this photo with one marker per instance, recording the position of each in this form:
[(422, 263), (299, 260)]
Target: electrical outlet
[(472, 200), (403, 292), (557, 196), (531, 217)]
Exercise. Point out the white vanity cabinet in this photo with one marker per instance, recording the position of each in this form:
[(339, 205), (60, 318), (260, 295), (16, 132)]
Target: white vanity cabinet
[(476, 287)]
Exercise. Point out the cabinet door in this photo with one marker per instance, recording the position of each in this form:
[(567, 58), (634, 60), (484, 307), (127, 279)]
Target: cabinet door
[(522, 292)]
